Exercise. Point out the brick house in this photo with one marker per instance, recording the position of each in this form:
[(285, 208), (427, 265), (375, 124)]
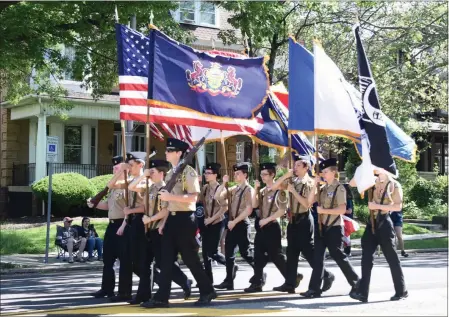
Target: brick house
[(92, 134)]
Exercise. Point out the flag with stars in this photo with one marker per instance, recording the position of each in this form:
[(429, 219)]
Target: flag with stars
[(132, 50)]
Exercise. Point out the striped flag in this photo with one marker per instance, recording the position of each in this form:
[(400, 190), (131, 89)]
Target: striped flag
[(181, 132)]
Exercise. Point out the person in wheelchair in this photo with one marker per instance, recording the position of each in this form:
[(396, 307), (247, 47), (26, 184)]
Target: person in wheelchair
[(68, 239), (94, 242)]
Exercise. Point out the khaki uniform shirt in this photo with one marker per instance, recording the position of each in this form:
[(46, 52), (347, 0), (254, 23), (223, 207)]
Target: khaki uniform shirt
[(153, 196), (187, 183), (116, 204), (327, 192), (270, 198), (236, 191), (303, 187), (207, 198), (393, 195)]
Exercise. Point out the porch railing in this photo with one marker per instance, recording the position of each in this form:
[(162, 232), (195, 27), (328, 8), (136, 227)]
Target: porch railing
[(24, 174)]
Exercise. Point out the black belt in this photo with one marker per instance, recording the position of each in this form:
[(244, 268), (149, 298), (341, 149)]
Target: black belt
[(135, 215), (297, 218), (182, 212), (115, 220)]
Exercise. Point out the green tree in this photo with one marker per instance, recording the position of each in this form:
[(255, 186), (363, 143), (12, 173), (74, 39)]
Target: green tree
[(33, 32)]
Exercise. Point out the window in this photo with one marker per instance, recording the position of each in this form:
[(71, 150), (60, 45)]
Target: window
[(93, 138), (69, 53), (138, 143), (239, 151), (210, 149), (72, 144), (117, 144), (197, 12)]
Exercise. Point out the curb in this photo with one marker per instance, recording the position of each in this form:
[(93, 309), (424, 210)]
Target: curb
[(33, 270)]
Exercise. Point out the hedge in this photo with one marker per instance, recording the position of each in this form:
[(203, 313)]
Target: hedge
[(100, 182), (68, 190)]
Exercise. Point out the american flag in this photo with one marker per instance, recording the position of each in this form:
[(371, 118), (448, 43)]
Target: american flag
[(132, 49)]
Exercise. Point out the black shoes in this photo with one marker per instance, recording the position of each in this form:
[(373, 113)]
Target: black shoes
[(205, 300), (136, 300), (152, 303), (101, 293), (188, 289), (284, 288), (310, 294), (327, 283), (359, 297), (253, 288), (405, 255), (399, 297), (225, 285), (121, 298), (299, 278)]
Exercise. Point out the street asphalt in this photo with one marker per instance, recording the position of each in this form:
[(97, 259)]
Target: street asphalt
[(67, 293)]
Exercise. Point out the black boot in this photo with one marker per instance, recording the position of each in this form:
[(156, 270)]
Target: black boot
[(299, 278), (399, 297), (225, 285), (284, 288), (348, 250), (101, 293), (205, 300), (327, 282), (253, 288), (310, 294), (359, 297), (187, 289)]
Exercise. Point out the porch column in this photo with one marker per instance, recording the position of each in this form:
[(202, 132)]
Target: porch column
[(57, 129), (32, 136), (201, 156), (85, 144), (41, 147)]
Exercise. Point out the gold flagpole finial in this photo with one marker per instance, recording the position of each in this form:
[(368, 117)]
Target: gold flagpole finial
[(116, 14), (151, 17)]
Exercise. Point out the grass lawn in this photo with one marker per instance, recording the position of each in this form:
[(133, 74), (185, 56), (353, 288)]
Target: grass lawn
[(426, 243), (408, 229), (32, 240)]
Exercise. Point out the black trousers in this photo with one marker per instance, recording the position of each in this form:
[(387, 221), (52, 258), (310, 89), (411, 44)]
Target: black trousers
[(211, 235), (146, 258), (134, 250), (332, 238), (179, 234), (239, 236), (300, 239), (114, 247), (268, 240), (155, 241), (385, 237)]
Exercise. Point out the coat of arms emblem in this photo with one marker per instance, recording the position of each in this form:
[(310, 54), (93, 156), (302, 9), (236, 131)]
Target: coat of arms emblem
[(214, 80)]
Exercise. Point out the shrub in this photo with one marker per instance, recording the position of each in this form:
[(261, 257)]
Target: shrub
[(411, 210), (100, 182), (68, 189), (361, 212), (426, 193)]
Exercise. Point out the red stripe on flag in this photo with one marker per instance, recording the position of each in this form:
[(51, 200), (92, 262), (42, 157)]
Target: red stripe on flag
[(134, 87), (133, 102)]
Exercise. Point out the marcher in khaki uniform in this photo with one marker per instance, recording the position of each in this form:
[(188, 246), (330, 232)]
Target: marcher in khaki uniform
[(239, 225), (114, 243), (385, 197), (214, 215), (331, 205), (179, 230), (153, 220), (301, 226), (272, 205)]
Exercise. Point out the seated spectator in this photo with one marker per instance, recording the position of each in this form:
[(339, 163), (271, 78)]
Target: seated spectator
[(68, 239), (93, 241)]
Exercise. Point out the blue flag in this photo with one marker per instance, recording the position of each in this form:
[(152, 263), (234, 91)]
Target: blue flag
[(204, 85), (301, 89), (274, 132)]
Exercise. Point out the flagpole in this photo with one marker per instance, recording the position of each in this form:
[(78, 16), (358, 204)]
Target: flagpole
[(317, 171), (124, 159), (225, 161)]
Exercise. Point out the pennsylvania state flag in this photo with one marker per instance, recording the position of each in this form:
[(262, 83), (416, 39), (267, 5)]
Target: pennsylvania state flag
[(207, 88)]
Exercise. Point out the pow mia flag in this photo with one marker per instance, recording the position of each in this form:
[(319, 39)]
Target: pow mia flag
[(372, 117)]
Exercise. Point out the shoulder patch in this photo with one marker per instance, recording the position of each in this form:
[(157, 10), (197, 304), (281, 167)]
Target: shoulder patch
[(342, 189), (193, 174), (282, 193)]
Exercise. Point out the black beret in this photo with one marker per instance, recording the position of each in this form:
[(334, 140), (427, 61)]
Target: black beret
[(177, 145), (265, 166), (214, 167), (117, 160), (327, 163), (136, 156), (244, 167), (159, 163)]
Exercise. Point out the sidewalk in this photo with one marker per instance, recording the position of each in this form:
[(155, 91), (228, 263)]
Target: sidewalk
[(34, 263)]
